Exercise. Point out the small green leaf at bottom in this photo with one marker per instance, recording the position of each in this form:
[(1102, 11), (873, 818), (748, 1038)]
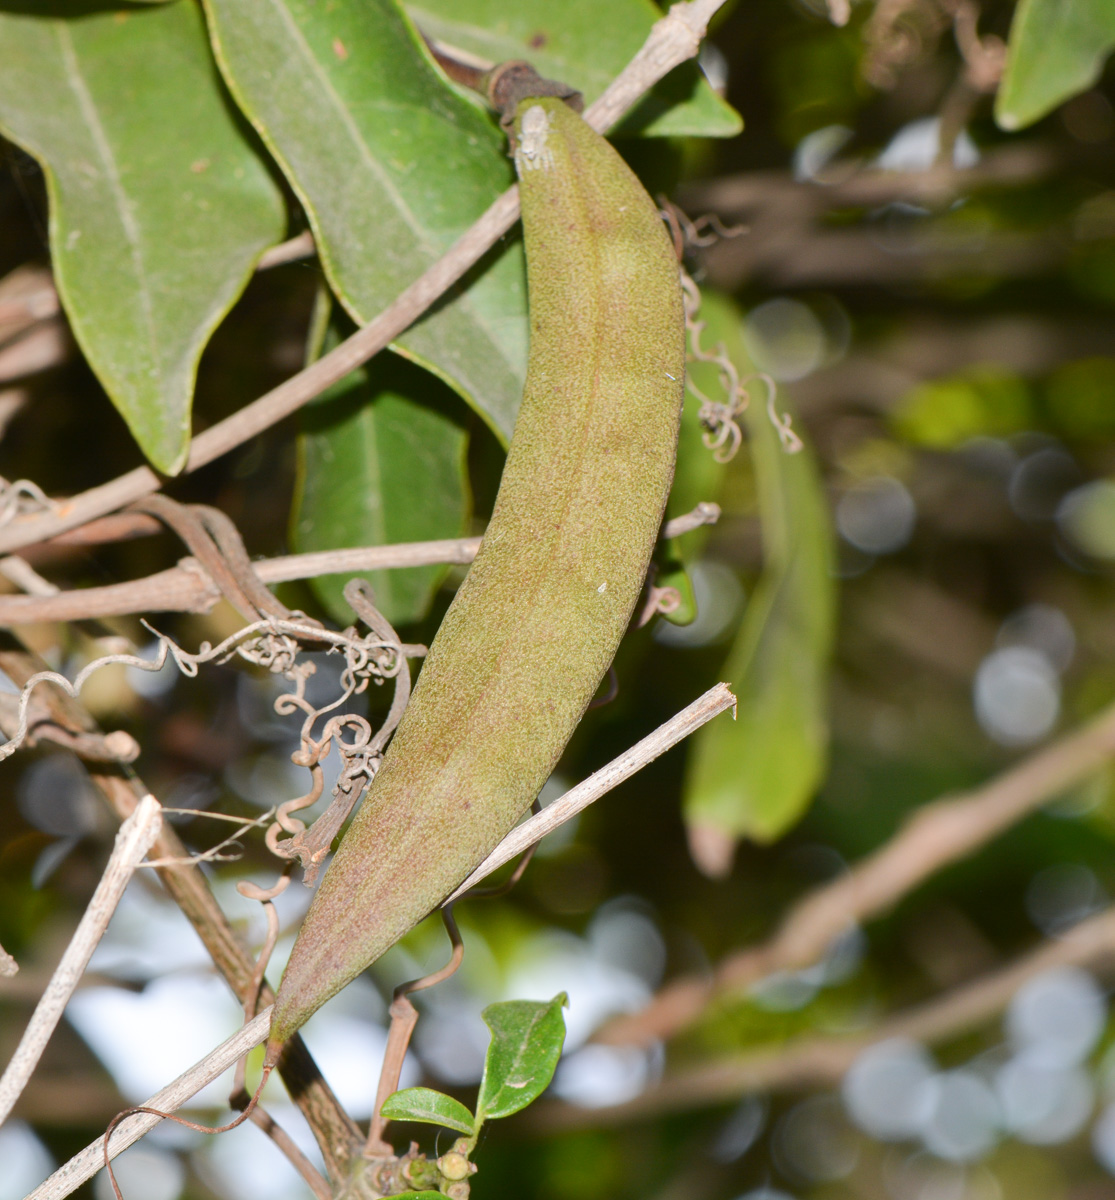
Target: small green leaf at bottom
[(433, 1108), (527, 1037)]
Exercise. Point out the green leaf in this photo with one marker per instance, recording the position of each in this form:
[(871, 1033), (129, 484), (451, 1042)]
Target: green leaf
[(430, 1107), (381, 458), (392, 166), (755, 776), (527, 1037), (159, 205), (586, 44), (1057, 49)]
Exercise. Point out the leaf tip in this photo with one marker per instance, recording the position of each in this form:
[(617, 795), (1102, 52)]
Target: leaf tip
[(1007, 119), (712, 850)]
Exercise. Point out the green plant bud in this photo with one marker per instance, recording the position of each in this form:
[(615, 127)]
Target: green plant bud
[(538, 619), (454, 1166)]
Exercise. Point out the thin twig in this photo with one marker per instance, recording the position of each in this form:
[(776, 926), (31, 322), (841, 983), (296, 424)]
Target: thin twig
[(133, 840), (741, 195), (117, 527), (936, 835), (20, 572), (671, 41), (116, 747), (292, 250), (43, 346), (8, 965), (404, 1017), (239, 1097), (715, 701), (819, 1061), (316, 1182), (189, 588), (86, 1163)]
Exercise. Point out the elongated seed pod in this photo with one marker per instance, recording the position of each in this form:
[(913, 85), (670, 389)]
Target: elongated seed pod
[(538, 619)]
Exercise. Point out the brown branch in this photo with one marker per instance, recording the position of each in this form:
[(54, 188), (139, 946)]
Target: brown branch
[(12, 401), (672, 40), (43, 346), (292, 250), (851, 185), (822, 1061), (119, 527), (189, 588), (263, 1120), (936, 835), (339, 1137), (404, 1017), (791, 242), (27, 295)]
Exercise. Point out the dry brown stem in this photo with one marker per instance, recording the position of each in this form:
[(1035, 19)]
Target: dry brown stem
[(189, 587), (791, 241), (263, 1120), (43, 346), (404, 1017), (936, 835), (134, 838)]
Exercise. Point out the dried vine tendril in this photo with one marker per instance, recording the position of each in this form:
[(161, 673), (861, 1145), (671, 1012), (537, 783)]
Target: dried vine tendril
[(276, 644), (19, 497), (719, 418)]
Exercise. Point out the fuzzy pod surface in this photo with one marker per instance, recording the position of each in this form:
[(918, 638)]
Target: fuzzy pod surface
[(539, 617)]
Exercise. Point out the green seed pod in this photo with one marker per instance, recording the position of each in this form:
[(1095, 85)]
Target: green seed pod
[(538, 619)]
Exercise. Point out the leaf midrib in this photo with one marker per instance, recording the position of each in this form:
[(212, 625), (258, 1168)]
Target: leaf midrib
[(427, 242), (88, 109)]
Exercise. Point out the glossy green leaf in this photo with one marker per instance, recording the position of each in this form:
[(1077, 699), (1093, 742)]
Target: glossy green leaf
[(392, 166), (755, 776), (1057, 49), (430, 1107), (159, 205), (381, 458), (527, 1037), (586, 44)]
